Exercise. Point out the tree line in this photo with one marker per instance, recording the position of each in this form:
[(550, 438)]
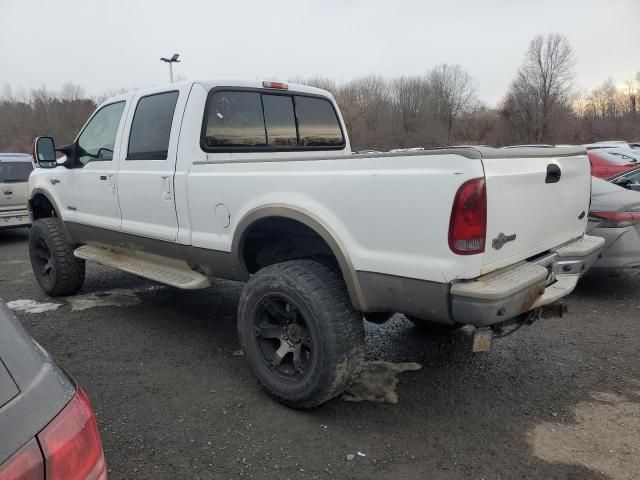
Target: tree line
[(439, 108)]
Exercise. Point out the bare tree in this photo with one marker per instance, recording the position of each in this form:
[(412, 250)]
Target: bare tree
[(633, 90), (410, 98), (453, 93), (436, 109), (543, 83), (72, 92)]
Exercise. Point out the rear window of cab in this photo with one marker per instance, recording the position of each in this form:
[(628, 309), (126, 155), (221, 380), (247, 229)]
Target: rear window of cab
[(255, 120)]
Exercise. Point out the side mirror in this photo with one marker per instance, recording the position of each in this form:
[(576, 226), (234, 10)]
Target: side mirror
[(44, 152)]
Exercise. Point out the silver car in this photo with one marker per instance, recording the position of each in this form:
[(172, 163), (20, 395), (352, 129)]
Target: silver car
[(615, 216)]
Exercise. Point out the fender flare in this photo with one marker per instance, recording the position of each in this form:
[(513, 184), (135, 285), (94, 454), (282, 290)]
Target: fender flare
[(48, 196), (43, 192), (309, 219)]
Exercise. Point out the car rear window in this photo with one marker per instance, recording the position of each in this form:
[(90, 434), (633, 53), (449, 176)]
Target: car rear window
[(256, 120), (151, 127), (15, 172)]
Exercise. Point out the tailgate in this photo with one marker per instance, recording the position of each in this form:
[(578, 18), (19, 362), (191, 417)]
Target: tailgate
[(530, 210), (14, 196)]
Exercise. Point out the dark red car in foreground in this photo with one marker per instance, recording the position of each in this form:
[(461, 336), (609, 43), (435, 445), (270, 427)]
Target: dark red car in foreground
[(47, 427), (608, 162)]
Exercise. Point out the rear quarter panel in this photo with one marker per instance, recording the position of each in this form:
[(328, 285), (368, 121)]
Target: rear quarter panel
[(391, 214)]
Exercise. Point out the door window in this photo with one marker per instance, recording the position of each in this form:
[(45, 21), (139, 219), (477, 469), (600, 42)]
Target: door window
[(97, 140), (151, 127)]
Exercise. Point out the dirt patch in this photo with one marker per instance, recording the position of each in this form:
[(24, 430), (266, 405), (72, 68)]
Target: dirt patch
[(604, 437), (377, 382)]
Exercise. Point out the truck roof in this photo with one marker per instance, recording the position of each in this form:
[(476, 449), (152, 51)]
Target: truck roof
[(209, 84), (232, 83)]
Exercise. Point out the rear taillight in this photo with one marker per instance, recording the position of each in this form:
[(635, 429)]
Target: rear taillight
[(468, 225), (616, 219), (71, 443), (25, 464)]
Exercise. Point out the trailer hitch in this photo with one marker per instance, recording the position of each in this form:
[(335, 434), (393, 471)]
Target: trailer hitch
[(483, 336)]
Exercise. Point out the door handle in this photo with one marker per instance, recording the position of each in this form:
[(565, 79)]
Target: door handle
[(112, 182), (553, 173), (166, 194)]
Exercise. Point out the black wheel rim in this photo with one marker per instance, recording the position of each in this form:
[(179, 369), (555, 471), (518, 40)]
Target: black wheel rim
[(44, 260), (283, 337)]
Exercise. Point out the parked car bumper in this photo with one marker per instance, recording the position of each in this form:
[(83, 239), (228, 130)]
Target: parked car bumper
[(621, 254), (14, 219), (510, 292)]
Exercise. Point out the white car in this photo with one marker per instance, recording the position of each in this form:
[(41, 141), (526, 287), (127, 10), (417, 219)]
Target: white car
[(255, 181), (14, 189)]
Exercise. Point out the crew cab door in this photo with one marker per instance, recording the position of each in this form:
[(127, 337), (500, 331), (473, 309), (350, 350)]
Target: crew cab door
[(146, 172), (88, 191)]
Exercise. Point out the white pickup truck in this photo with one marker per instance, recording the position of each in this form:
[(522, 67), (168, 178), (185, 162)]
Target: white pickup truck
[(255, 181)]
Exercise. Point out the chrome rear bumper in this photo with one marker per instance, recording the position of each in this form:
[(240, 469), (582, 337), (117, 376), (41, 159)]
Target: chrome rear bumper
[(509, 292)]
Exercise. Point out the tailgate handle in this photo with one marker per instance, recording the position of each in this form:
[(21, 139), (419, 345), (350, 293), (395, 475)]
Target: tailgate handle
[(553, 173)]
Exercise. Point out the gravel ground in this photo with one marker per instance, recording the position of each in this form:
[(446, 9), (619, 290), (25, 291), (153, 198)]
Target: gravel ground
[(557, 400)]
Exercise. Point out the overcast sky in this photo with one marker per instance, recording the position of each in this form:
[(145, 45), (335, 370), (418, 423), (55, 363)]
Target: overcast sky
[(109, 44)]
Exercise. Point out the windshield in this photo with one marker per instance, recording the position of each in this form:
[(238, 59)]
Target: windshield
[(619, 157), (13, 172)]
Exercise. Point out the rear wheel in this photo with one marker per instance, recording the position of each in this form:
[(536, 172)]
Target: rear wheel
[(435, 328), (300, 333), (57, 270)]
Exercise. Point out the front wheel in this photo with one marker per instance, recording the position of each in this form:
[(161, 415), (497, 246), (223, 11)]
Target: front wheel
[(302, 337), (56, 269)]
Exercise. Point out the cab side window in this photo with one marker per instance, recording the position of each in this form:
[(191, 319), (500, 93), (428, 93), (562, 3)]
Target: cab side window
[(151, 127), (98, 139)]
